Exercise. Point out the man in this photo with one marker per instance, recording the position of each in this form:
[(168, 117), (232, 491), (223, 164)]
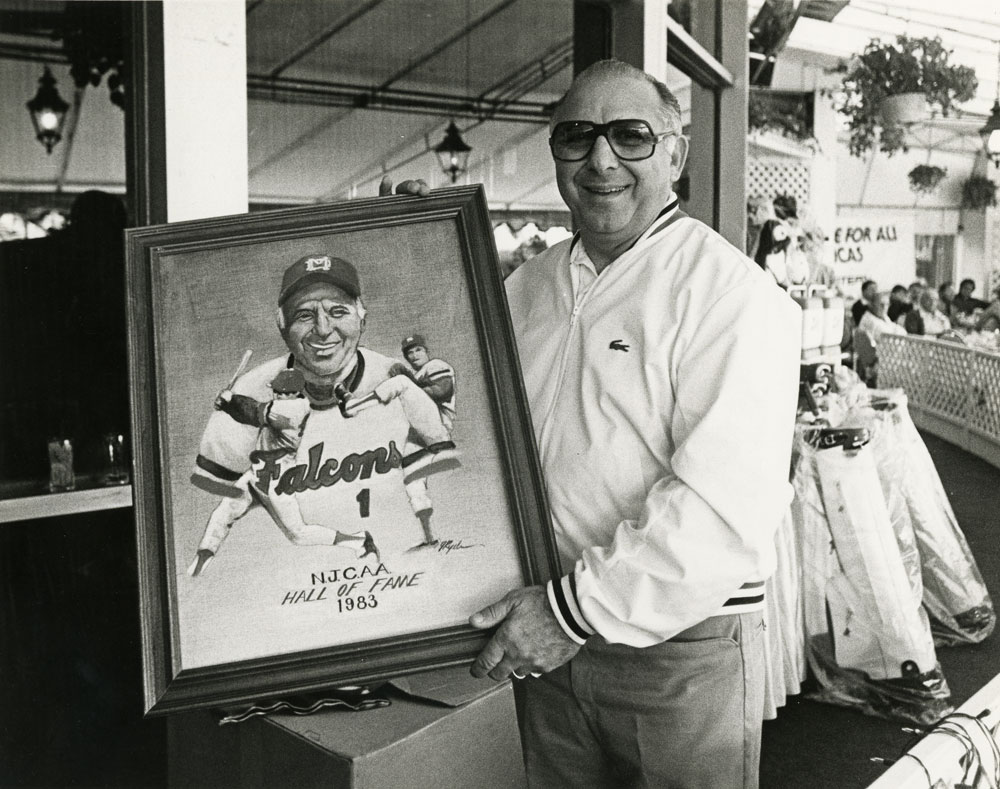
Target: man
[(946, 292), (964, 304), (927, 318), (869, 290), (321, 489), (899, 303), (281, 422), (874, 324), (661, 367), (437, 378), (424, 378)]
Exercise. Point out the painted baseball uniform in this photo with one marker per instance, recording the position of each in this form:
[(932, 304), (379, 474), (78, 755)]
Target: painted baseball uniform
[(343, 468), (437, 370), (283, 421)]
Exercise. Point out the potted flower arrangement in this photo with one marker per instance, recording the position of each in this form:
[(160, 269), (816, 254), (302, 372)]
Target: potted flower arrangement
[(924, 178), (887, 70), (978, 192)]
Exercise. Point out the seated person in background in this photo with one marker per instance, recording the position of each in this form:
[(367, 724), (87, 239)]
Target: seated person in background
[(990, 319), (946, 292), (872, 327), (964, 303), (874, 322), (869, 290), (899, 303), (927, 318)]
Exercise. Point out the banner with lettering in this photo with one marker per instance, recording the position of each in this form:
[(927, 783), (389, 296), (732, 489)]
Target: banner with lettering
[(875, 244)]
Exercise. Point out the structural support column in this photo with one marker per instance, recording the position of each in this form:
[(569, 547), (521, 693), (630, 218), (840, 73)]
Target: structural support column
[(719, 120), (631, 30), (205, 104)]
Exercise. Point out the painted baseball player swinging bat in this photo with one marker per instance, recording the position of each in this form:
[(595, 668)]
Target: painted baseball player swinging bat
[(269, 441)]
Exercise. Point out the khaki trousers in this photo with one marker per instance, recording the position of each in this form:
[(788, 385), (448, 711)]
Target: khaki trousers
[(685, 713)]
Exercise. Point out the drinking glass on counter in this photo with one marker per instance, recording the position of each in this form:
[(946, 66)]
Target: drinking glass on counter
[(61, 476), (117, 472)]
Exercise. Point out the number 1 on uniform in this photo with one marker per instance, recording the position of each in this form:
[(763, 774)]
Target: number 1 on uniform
[(364, 501)]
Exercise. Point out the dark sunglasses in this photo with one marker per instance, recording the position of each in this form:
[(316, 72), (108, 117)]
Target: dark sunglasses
[(630, 139)]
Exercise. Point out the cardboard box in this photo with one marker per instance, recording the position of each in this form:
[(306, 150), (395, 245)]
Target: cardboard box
[(442, 730)]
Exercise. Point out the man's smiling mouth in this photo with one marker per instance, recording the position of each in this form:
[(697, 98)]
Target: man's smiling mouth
[(323, 348), (605, 190)]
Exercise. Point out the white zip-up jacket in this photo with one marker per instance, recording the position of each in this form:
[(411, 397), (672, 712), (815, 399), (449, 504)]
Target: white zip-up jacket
[(663, 396)]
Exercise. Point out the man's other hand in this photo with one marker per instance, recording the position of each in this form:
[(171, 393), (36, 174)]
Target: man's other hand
[(411, 187), (529, 640)]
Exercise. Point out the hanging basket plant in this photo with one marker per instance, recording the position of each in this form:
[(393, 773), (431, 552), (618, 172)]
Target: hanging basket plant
[(787, 113), (979, 192), (924, 178), (908, 65)]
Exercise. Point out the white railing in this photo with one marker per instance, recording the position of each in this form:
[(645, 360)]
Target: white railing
[(953, 390)]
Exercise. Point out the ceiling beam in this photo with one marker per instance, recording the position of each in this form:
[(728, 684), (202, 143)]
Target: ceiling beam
[(37, 53), (331, 94), (685, 53), (442, 46), (325, 36), (311, 88)]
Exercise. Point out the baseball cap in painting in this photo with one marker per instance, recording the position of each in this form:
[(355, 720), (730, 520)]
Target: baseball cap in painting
[(413, 341), (319, 268)]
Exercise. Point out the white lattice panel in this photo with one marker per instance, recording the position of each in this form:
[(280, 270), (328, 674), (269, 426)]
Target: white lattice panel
[(901, 365), (770, 177), (984, 406), (946, 381), (953, 382)]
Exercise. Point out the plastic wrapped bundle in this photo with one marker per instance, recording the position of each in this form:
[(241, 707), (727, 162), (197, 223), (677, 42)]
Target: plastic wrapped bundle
[(956, 598), (784, 641), (868, 639)]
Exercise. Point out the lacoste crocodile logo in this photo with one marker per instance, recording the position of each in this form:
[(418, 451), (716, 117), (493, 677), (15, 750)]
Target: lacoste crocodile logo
[(618, 345)]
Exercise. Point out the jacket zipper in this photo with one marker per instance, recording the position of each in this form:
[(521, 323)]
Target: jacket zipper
[(563, 363)]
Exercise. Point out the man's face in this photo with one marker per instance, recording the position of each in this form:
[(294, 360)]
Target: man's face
[(612, 200), (322, 330), (878, 305), (966, 288), (870, 293), (417, 356)]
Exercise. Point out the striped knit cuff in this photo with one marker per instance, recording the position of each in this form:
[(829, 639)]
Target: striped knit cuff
[(750, 598), (562, 599)]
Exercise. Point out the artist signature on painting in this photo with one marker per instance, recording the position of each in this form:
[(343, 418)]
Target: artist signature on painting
[(447, 546)]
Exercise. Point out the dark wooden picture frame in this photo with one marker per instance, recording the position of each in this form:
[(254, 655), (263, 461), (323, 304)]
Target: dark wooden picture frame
[(270, 618)]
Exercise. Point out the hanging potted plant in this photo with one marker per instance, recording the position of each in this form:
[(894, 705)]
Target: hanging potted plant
[(877, 78), (978, 192), (924, 178)]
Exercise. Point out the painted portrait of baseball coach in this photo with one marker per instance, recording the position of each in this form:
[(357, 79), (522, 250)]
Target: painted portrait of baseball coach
[(331, 471)]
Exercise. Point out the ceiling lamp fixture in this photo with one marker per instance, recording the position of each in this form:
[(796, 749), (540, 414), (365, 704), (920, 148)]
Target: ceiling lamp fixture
[(453, 152), (990, 133), (48, 111)]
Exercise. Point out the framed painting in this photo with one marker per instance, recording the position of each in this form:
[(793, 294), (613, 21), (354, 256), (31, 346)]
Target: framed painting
[(334, 462)]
